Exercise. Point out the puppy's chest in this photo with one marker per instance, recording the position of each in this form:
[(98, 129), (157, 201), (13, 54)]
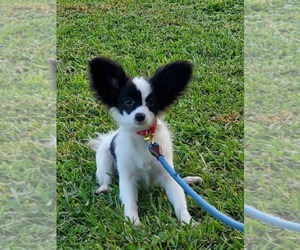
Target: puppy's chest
[(142, 158), (145, 169), (135, 157)]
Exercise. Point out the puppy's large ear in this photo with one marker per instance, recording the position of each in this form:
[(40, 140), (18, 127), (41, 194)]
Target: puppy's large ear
[(106, 79), (170, 81)]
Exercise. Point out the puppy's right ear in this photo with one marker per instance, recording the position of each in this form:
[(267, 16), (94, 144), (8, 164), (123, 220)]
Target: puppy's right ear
[(106, 79)]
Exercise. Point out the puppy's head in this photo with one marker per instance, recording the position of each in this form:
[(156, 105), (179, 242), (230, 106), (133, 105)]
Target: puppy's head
[(136, 102)]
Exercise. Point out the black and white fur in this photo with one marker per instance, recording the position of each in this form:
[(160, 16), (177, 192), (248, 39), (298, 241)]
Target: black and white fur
[(136, 104)]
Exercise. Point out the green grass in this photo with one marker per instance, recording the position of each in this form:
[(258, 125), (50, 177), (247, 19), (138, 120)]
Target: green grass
[(27, 122), (272, 98), (207, 123)]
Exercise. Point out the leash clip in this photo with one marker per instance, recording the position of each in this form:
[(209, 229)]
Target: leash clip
[(155, 149)]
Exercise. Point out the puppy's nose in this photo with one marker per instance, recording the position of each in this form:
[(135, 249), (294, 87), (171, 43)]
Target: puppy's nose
[(139, 117)]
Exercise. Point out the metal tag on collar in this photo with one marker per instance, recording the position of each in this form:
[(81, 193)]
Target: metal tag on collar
[(149, 137)]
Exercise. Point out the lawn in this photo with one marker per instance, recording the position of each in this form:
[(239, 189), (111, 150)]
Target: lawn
[(27, 124), (207, 123), (272, 96)]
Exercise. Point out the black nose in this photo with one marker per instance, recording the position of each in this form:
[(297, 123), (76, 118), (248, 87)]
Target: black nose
[(139, 117)]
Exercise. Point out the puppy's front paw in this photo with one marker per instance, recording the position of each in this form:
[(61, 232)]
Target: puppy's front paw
[(191, 222), (133, 220), (103, 189), (196, 180), (195, 224), (136, 222)]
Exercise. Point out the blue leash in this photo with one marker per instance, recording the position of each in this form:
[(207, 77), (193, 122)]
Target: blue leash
[(270, 219), (156, 152), (251, 211)]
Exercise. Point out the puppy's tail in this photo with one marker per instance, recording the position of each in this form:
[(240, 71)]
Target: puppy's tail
[(95, 143)]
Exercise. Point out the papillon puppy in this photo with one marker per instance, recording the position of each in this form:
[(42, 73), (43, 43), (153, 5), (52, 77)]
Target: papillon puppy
[(137, 105)]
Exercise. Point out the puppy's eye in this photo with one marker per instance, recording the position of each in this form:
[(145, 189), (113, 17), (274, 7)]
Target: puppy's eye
[(151, 102), (128, 101)]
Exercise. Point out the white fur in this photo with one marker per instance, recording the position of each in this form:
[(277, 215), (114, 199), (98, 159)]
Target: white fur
[(128, 122), (143, 85), (136, 165)]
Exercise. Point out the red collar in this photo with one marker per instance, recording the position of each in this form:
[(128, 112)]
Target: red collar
[(149, 131)]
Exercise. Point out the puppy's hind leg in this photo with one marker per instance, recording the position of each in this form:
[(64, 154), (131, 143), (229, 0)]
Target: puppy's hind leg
[(105, 168), (196, 180)]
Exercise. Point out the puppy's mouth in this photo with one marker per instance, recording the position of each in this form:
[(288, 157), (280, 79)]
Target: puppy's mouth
[(142, 121), (142, 125)]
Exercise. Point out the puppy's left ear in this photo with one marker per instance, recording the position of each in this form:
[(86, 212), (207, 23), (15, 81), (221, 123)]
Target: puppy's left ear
[(170, 81)]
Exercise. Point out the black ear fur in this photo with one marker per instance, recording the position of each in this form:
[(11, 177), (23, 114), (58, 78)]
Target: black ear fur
[(106, 78), (170, 81)]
